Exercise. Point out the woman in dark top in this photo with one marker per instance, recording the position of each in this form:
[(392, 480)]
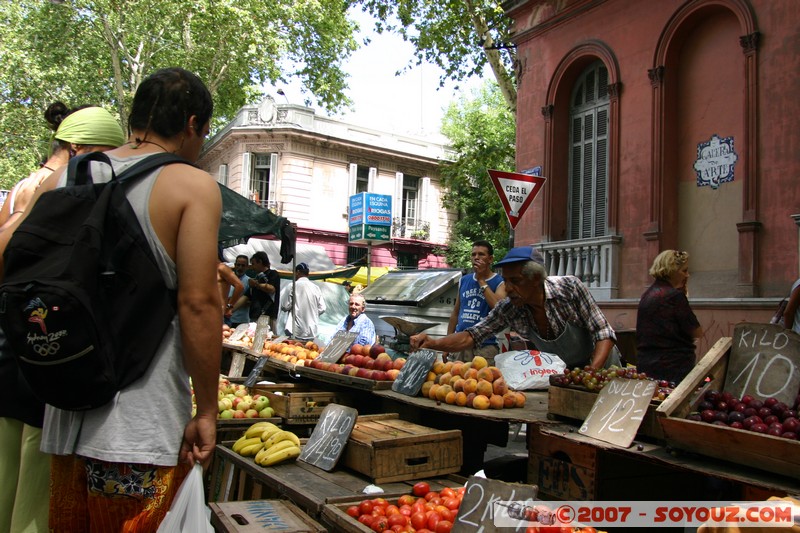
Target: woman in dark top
[(666, 327)]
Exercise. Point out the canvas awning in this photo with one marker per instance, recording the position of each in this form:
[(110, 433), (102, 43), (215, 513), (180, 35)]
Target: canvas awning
[(243, 218)]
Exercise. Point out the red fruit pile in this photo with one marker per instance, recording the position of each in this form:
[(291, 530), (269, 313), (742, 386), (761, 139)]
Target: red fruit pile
[(769, 416), (424, 511)]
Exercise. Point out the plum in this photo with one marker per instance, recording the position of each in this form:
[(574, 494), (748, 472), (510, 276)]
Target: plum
[(735, 416), (759, 428), (704, 405), (736, 425), (751, 421), (791, 425), (789, 435), (746, 399), (708, 415), (770, 402)]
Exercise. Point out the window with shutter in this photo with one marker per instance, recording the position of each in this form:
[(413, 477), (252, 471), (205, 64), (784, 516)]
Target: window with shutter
[(588, 156)]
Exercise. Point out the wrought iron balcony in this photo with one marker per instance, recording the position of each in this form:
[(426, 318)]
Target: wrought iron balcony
[(409, 228)]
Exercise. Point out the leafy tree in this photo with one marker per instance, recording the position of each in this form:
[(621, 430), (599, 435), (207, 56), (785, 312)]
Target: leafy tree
[(482, 134), (98, 51), (460, 36)]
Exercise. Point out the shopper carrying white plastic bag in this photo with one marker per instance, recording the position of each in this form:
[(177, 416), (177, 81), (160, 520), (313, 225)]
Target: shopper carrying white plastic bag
[(189, 512)]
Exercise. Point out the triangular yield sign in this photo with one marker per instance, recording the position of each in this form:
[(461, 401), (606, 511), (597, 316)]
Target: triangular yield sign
[(516, 192)]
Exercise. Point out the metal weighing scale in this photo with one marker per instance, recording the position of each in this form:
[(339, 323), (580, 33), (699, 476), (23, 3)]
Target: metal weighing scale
[(404, 328)]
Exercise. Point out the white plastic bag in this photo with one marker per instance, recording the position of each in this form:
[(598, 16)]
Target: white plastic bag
[(189, 512), (528, 369)]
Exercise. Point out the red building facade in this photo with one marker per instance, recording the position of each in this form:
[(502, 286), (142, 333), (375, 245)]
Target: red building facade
[(666, 124)]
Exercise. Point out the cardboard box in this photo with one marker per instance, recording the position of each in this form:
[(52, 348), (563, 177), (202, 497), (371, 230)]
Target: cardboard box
[(765, 452), (385, 448), (261, 516), (299, 403)]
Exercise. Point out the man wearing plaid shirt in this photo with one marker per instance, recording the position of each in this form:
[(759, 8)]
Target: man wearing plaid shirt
[(538, 308)]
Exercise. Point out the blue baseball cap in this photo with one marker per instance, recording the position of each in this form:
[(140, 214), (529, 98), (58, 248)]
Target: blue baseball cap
[(520, 254)]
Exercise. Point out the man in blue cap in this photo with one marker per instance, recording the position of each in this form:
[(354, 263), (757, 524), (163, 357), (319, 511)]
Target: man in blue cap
[(556, 314)]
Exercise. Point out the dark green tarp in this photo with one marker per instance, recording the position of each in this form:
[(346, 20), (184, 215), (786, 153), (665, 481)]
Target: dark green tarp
[(243, 218)]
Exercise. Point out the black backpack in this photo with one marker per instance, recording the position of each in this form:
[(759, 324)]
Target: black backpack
[(83, 302)]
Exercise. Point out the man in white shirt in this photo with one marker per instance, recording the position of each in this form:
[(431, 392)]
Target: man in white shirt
[(304, 312)]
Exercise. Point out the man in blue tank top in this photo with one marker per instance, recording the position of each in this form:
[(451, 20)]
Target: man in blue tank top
[(478, 293)]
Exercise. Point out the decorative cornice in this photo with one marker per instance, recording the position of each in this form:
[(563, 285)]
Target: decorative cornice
[(656, 75), (615, 89), (651, 235), (751, 226), (547, 111), (750, 42)]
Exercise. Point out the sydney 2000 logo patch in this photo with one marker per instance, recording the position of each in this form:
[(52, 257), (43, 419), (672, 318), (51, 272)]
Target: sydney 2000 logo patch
[(43, 343)]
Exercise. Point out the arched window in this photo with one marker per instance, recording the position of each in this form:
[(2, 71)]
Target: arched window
[(588, 157)]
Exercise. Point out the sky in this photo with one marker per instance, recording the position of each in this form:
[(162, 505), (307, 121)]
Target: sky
[(408, 104)]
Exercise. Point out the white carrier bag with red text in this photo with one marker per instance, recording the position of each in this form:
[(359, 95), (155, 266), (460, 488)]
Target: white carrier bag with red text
[(528, 369)]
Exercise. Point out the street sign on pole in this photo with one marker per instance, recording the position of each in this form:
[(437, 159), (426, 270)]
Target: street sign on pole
[(370, 217), (516, 192)]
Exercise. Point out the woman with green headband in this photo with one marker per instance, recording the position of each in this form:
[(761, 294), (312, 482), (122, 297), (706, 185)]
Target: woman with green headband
[(77, 131), (25, 507)]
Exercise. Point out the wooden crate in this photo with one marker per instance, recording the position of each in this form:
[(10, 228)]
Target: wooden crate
[(334, 516), (259, 516), (385, 448), (576, 404), (299, 403), (765, 452)]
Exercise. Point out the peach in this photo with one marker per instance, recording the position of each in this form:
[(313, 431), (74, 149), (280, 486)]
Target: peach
[(499, 386), (356, 349), (495, 372), (450, 398), (480, 402), (485, 374), (426, 388), (470, 398), (431, 377), (520, 399), (496, 401), (471, 373), (444, 379), (398, 363), (456, 369), (479, 362), (447, 366), (392, 374), (458, 385), (454, 379), (466, 368), (484, 388), (438, 367), (470, 385), (509, 399), (442, 392), (461, 399), (432, 392)]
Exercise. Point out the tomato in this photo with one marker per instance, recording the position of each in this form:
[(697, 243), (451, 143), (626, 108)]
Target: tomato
[(433, 519), (419, 520), (380, 502), (588, 530), (398, 529), (443, 526), (406, 499), (461, 490), (421, 489), (448, 515), (447, 492), (392, 509), (406, 510), (365, 507), (431, 495), (380, 524), (418, 508), (452, 503), (398, 520), (353, 511), (366, 519), (377, 510)]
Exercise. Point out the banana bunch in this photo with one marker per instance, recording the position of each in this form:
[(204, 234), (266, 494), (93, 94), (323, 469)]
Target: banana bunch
[(268, 444)]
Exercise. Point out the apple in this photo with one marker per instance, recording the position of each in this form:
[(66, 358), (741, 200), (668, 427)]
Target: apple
[(261, 403), (376, 349), (364, 373), (267, 412), (379, 375), (251, 413), (398, 363), (239, 414), (359, 360), (224, 404), (369, 363), (392, 374), (226, 414), (240, 391), (243, 405), (353, 371), (346, 369)]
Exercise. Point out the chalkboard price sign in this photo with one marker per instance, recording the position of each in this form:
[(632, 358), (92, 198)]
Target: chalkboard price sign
[(252, 378), (764, 362), (486, 503), (329, 437), (413, 374), (339, 344), (619, 410)]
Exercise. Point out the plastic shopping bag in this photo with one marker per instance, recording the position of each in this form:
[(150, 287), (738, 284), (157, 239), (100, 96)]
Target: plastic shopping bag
[(189, 512), (528, 369)]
